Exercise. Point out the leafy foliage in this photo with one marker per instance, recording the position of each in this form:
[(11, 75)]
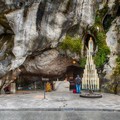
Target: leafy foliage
[(82, 62), (103, 50), (73, 44)]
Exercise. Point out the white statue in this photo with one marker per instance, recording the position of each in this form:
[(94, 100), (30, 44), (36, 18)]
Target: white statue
[(90, 45)]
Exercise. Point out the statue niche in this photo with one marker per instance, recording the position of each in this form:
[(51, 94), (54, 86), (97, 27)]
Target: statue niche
[(90, 46), (89, 42)]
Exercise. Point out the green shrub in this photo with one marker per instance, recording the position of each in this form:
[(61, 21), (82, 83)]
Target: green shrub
[(73, 44), (82, 62), (103, 50)]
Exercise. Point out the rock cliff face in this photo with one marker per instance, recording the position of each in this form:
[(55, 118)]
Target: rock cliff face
[(30, 33), (25, 33), (42, 25), (112, 40), (48, 63)]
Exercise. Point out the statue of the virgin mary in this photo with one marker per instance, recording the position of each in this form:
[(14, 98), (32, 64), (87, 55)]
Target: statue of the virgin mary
[(90, 46)]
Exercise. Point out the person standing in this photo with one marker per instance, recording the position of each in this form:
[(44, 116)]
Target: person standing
[(78, 84)]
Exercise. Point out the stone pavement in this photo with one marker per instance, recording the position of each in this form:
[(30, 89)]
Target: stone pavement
[(58, 101)]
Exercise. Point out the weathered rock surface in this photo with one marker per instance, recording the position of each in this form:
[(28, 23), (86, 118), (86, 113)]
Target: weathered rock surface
[(36, 29), (43, 24), (55, 18), (25, 33), (48, 63), (14, 55), (111, 3), (112, 40)]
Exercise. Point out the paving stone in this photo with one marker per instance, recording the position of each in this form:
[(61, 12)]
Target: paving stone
[(57, 100)]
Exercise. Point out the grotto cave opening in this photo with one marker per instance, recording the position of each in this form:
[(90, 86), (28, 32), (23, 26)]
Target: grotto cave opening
[(71, 73)]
